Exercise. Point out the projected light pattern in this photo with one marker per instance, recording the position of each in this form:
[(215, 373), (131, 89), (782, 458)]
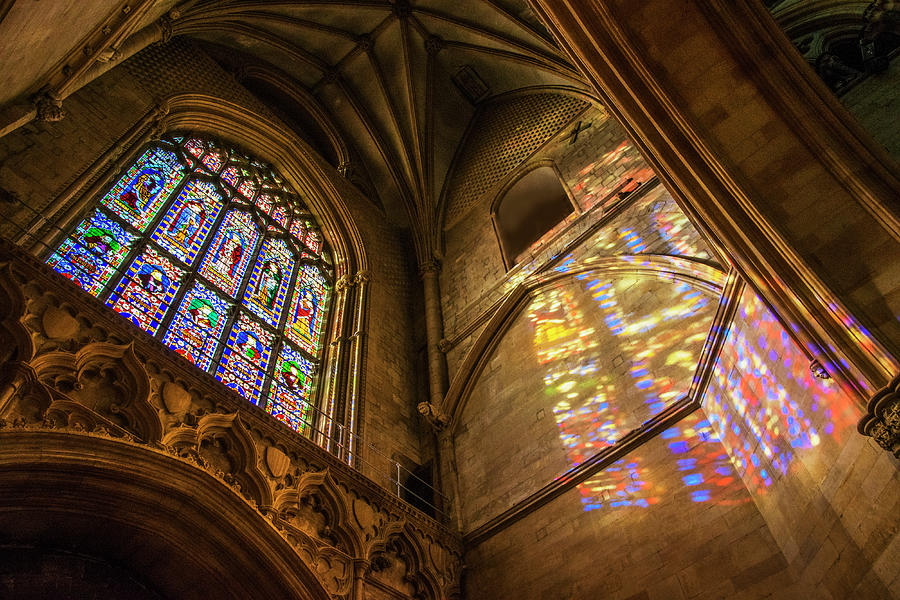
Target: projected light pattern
[(704, 471), (632, 355), (666, 231), (594, 182), (764, 402)]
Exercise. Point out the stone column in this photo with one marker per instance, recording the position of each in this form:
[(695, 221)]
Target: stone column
[(360, 568), (434, 331)]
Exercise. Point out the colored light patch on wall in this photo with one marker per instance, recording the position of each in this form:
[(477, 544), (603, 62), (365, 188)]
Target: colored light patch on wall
[(227, 258), (246, 358), (269, 280), (145, 187), (195, 330), (144, 294), (765, 403), (651, 333), (188, 220), (288, 399), (93, 253), (704, 472), (667, 231), (306, 317)]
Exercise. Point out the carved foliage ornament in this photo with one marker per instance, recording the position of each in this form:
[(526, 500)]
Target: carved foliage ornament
[(883, 419)]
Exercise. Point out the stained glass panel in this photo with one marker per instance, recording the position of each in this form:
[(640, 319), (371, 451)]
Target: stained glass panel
[(288, 399), (194, 332), (145, 292), (304, 323), (195, 147), (298, 229), (230, 176), (313, 241), (280, 215), (92, 254), (141, 192), (247, 189), (267, 290), (213, 160), (187, 222), (228, 255), (246, 358), (264, 202)]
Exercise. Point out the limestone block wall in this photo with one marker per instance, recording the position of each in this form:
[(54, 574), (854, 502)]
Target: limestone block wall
[(659, 540), (829, 495), (39, 160), (592, 165)]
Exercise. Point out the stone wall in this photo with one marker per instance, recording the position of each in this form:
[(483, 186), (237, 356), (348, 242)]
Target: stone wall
[(647, 534), (829, 495), (39, 160)]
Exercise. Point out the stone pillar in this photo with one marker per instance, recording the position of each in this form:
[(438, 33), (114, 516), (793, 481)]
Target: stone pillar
[(434, 332), (360, 568)]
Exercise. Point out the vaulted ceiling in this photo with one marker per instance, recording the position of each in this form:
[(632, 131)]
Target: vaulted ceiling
[(382, 88)]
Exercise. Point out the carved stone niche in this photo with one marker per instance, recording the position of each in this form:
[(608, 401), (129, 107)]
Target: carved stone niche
[(317, 506), (883, 419), (101, 385), (221, 444)]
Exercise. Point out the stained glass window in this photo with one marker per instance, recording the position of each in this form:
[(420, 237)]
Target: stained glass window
[(209, 251)]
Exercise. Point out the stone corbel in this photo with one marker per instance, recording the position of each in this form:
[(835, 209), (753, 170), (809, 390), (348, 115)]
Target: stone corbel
[(882, 421), (435, 417), (48, 104)]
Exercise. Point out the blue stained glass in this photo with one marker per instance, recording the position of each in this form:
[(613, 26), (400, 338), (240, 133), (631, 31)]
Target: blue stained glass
[(228, 255), (267, 290), (194, 332), (92, 254), (245, 359), (288, 399), (141, 192), (147, 289), (187, 222)]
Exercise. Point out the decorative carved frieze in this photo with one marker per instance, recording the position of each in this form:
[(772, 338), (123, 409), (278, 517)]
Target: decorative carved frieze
[(71, 366), (882, 421)]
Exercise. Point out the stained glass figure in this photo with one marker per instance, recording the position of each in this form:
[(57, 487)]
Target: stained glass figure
[(91, 255), (147, 289), (195, 331), (230, 252), (172, 247), (187, 222), (304, 322), (246, 358), (267, 290), (288, 399), (145, 187)]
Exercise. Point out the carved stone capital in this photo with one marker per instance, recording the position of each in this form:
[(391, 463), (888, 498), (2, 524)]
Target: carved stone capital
[(882, 421), (435, 417), (48, 105), (344, 282), (429, 266), (434, 44), (361, 276)]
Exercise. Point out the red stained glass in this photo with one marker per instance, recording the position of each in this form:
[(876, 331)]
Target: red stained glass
[(230, 252), (304, 323)]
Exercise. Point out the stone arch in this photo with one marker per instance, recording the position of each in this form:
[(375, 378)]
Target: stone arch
[(175, 527)]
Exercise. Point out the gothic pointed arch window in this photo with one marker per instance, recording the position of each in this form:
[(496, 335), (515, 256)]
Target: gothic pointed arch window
[(211, 252)]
